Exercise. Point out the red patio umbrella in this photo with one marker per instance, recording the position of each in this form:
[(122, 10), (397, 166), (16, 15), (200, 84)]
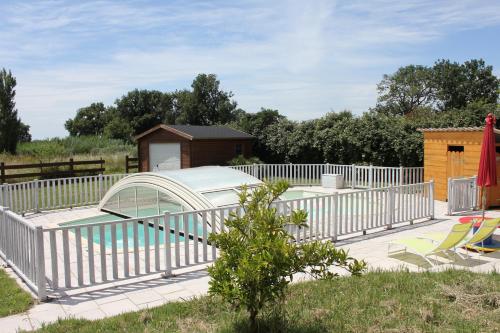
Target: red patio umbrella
[(487, 172)]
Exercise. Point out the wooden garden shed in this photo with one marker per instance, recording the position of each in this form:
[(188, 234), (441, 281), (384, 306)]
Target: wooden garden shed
[(453, 153), (169, 147)]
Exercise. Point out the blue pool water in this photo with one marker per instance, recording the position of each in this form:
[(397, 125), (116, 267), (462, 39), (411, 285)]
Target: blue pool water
[(141, 230), (150, 231), (299, 194)]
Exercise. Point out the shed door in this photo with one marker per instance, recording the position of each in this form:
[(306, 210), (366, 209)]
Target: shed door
[(164, 156), (455, 159)]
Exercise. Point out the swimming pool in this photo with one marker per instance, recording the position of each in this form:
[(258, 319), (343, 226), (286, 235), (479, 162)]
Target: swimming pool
[(313, 211), (141, 231), (300, 194)]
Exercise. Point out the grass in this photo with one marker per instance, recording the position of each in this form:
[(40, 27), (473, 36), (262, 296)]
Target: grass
[(79, 148), (457, 301), (13, 299)]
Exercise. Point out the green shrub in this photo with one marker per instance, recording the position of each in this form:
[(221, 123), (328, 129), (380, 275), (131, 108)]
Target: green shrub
[(70, 146), (242, 160), (258, 257)]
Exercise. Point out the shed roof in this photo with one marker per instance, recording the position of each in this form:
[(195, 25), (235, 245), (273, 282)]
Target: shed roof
[(195, 132), (456, 129)]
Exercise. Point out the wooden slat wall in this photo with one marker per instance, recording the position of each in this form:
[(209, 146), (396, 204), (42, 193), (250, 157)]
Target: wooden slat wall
[(437, 165)]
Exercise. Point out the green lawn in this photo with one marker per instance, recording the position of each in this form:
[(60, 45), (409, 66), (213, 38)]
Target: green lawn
[(455, 301), (12, 298)]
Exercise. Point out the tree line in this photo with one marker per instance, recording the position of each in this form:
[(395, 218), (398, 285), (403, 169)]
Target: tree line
[(446, 94), (12, 129), (139, 110)]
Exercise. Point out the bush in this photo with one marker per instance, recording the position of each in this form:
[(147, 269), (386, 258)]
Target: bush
[(241, 160), (258, 257), (69, 146)]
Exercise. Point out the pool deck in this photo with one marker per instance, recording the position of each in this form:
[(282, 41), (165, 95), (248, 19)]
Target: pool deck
[(153, 290)]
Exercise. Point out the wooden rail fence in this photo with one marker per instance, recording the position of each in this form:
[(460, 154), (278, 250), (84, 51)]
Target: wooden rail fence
[(69, 166), (130, 165)]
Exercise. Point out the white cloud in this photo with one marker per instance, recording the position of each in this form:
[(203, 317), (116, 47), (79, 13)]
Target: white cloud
[(303, 58)]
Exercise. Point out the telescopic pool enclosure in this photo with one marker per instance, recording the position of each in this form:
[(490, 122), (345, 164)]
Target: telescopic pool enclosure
[(152, 193), (167, 217)]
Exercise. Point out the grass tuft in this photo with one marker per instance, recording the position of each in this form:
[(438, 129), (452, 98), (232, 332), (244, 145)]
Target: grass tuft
[(376, 302), (13, 299)]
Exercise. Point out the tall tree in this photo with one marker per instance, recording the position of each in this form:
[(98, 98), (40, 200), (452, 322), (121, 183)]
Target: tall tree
[(406, 90), (144, 109), (89, 120), (460, 84), (207, 104), (10, 125)]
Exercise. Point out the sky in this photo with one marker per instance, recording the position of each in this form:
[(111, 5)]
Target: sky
[(304, 58)]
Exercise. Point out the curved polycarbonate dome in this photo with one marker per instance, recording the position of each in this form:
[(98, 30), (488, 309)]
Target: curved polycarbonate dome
[(153, 193)]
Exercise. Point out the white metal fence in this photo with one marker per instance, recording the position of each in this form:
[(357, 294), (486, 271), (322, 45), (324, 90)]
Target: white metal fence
[(355, 176), (462, 195), (37, 195), (76, 256), (22, 248)]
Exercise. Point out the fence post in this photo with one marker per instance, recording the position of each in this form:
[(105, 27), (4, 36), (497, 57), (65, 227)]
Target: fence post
[(390, 207), (474, 193), (37, 200), (40, 264), (450, 196), (353, 176), (334, 216), (431, 198), (71, 168), (7, 195), (2, 172), (166, 241), (401, 175), (126, 163), (101, 188), (2, 195), (370, 177)]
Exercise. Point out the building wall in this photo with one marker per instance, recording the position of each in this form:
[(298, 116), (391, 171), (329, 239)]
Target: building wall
[(162, 136), (193, 153), (436, 157), (217, 152), (437, 165)]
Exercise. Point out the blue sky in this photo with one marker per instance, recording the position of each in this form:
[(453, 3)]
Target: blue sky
[(304, 58)]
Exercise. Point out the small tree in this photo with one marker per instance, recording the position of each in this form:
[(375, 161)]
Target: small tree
[(11, 128), (258, 257)]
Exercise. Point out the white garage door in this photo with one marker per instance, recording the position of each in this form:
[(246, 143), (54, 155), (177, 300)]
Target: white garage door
[(164, 156)]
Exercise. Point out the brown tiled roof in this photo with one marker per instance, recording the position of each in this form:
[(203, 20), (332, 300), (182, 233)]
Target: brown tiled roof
[(456, 129), (194, 132)]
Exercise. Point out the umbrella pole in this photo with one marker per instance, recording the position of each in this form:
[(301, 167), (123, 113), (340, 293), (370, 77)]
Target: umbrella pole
[(483, 199)]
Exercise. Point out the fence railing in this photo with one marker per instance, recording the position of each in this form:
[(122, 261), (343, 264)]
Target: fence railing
[(50, 169), (355, 176), (462, 195), (131, 163), (22, 248), (82, 255), (37, 195)]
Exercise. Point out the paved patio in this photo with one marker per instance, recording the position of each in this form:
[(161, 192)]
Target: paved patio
[(154, 290)]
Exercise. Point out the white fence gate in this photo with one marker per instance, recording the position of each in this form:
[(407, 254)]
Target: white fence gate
[(462, 195)]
